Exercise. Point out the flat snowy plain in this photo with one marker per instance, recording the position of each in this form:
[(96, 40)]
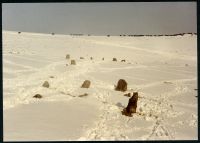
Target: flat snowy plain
[(162, 69)]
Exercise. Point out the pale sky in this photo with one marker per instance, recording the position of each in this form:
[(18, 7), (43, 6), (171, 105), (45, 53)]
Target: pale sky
[(113, 18)]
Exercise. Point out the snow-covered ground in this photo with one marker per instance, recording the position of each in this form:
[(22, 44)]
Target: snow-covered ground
[(162, 69)]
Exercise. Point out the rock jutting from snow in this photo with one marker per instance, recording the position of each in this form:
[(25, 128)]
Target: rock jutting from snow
[(67, 56), (46, 84), (121, 85), (91, 58), (73, 62), (37, 96), (86, 84), (128, 94), (114, 59), (123, 60), (81, 58), (82, 95), (132, 105)]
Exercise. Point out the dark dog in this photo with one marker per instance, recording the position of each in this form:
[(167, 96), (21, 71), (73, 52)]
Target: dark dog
[(132, 105)]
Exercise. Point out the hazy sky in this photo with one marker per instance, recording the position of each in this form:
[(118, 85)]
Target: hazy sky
[(101, 18)]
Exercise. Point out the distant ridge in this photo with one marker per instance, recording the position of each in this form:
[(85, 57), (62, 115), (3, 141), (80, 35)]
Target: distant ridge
[(179, 34), (121, 35), (140, 35)]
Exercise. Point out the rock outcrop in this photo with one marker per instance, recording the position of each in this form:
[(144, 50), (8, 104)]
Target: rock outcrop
[(37, 96), (86, 84), (121, 85), (46, 84)]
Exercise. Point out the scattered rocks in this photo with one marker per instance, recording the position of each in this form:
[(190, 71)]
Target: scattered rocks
[(132, 105), (121, 85), (73, 62), (114, 59), (81, 58), (46, 84), (123, 60), (82, 95), (67, 56), (128, 94), (86, 84), (37, 96)]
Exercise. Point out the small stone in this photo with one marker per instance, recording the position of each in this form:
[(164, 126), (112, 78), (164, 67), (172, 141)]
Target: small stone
[(128, 94), (123, 60), (103, 59), (114, 59), (86, 84), (67, 56), (51, 76), (37, 96), (91, 58), (46, 84), (81, 58), (73, 62)]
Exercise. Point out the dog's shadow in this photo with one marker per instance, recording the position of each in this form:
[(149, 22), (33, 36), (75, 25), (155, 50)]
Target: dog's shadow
[(120, 105)]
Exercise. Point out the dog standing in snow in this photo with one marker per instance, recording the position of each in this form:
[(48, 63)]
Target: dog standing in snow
[(132, 105)]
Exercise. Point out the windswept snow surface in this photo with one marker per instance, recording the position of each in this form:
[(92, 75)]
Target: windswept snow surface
[(162, 69)]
